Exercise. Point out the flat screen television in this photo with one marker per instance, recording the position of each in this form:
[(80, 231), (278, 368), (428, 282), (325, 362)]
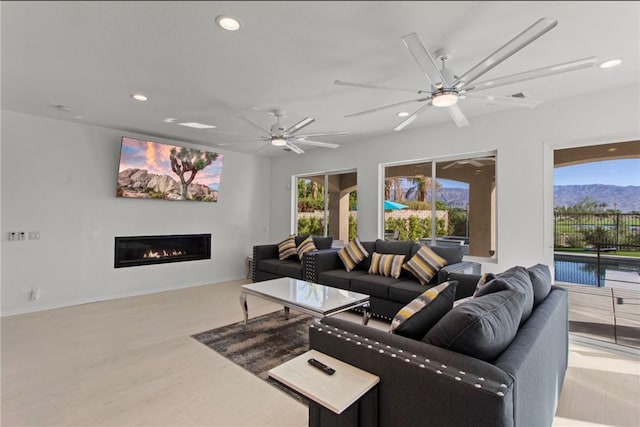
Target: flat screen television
[(151, 170)]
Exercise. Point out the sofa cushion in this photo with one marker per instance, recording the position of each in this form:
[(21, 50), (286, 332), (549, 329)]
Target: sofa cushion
[(305, 246), (514, 278), (339, 278), (386, 265), (290, 268), (482, 327), (395, 247), (424, 264), (405, 290), (452, 255), (300, 238), (484, 279), (416, 318), (287, 247), (269, 265), (540, 276), (352, 254), (323, 242), (370, 284)]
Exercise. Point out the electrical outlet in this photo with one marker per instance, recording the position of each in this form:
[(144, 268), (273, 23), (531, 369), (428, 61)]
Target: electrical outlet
[(22, 235), (13, 235), (34, 235), (35, 294)]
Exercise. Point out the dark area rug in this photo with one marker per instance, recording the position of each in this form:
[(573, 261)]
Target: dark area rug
[(264, 343)]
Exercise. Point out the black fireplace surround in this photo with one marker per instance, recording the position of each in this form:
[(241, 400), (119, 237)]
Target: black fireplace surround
[(132, 251)]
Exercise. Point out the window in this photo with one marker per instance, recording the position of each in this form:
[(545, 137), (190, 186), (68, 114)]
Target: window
[(326, 205), (446, 202)]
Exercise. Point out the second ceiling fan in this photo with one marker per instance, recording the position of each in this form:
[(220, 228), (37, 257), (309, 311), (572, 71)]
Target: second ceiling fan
[(446, 88)]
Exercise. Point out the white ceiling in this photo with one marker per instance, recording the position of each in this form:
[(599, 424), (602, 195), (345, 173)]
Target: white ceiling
[(91, 56)]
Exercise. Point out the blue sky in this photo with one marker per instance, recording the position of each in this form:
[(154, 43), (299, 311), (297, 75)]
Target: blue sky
[(622, 172)]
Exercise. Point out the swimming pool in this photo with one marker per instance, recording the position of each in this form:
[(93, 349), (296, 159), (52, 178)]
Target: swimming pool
[(583, 270)]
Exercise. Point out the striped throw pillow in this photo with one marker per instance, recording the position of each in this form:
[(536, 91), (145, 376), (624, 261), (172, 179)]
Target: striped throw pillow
[(484, 279), (416, 318), (307, 245), (387, 265), (287, 247), (352, 254), (425, 264)]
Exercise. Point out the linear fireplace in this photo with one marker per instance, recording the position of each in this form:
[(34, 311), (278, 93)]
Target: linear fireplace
[(131, 251)]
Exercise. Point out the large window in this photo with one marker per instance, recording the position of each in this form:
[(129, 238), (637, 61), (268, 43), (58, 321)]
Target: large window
[(446, 202), (326, 205)]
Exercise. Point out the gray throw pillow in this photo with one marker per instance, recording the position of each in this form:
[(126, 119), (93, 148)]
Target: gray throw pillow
[(514, 278), (481, 327), (540, 276)]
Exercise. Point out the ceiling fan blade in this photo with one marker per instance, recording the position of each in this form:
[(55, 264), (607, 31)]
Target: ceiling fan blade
[(322, 134), (294, 148), (267, 131), (537, 73), (302, 123), (425, 61), (412, 117), (505, 100), (367, 86), (386, 107), (449, 165), (536, 30), (316, 143), (458, 116)]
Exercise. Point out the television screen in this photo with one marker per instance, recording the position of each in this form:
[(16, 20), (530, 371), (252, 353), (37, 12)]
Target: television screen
[(150, 170)]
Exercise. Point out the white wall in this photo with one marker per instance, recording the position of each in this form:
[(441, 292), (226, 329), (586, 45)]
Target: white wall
[(59, 178), (521, 138)]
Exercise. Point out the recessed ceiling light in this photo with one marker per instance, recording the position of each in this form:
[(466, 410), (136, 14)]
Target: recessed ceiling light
[(169, 120), (402, 114), (197, 125), (611, 63), (612, 149), (228, 23), (139, 97)]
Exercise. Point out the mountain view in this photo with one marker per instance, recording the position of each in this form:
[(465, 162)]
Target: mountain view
[(626, 199)]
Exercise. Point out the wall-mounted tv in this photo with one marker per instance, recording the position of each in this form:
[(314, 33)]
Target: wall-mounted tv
[(150, 170)]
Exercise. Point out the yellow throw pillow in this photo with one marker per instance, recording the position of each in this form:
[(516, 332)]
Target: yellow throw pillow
[(352, 254), (287, 247), (387, 265), (425, 264), (307, 245)]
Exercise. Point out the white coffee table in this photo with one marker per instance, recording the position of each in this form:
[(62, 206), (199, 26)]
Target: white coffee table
[(310, 298)]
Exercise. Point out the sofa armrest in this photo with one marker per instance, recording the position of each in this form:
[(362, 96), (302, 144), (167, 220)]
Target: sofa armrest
[(455, 271), (452, 389), (321, 260)]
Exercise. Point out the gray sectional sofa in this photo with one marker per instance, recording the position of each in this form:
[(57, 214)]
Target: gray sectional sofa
[(388, 295), (450, 385)]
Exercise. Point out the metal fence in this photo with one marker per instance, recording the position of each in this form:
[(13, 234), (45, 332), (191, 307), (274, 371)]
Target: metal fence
[(602, 231)]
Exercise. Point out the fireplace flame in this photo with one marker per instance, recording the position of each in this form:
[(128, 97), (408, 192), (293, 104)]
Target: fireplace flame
[(162, 253)]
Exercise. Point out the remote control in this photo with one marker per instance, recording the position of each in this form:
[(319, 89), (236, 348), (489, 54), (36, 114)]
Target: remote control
[(324, 368)]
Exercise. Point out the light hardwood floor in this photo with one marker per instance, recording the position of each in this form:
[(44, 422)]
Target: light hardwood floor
[(132, 362)]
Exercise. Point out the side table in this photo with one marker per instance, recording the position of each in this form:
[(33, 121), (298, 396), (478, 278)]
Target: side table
[(349, 397)]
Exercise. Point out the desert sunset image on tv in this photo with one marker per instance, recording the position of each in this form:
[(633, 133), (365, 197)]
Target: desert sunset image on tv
[(150, 170)]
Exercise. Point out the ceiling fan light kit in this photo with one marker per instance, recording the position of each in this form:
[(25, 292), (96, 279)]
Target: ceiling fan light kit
[(446, 88)]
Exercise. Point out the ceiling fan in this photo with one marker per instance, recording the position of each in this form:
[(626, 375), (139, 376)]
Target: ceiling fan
[(447, 87), (477, 162), (287, 138)]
